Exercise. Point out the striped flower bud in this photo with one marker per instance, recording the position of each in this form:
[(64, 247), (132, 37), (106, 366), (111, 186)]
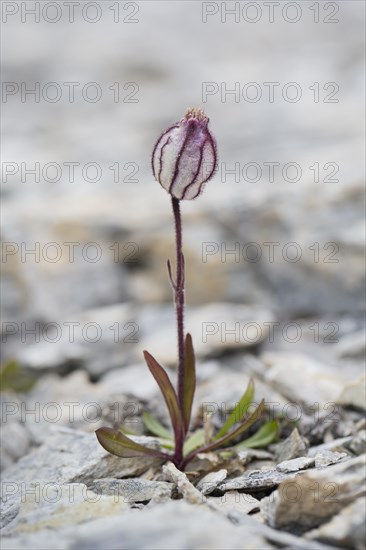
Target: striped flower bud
[(184, 157)]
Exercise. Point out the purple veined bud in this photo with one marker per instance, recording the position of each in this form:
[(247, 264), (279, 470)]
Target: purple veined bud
[(184, 157)]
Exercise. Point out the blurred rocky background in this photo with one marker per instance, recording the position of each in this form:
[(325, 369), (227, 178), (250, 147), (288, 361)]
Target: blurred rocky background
[(274, 247)]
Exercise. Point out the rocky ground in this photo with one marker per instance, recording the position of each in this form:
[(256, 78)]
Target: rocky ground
[(275, 278)]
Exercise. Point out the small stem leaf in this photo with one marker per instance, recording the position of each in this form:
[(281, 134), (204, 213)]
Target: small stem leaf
[(239, 411), (189, 386), (116, 443), (245, 424), (263, 437), (197, 439), (183, 270), (168, 392), (172, 282), (155, 427), (208, 429)]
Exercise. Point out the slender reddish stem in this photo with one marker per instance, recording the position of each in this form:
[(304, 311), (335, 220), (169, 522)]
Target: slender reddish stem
[(178, 287)]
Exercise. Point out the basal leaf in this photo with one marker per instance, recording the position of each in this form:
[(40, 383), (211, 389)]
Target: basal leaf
[(168, 392), (126, 430), (244, 425), (239, 411), (196, 440), (167, 443), (189, 385), (226, 454), (155, 427), (263, 437), (116, 443)]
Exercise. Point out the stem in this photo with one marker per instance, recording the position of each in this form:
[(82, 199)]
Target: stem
[(178, 287)]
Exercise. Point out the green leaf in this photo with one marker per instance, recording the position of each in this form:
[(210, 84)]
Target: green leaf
[(168, 392), (226, 454), (167, 444), (245, 424), (239, 411), (197, 439), (16, 378), (116, 443), (189, 383), (127, 431), (263, 437), (155, 427)]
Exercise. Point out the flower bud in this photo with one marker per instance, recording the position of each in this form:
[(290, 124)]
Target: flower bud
[(184, 157)]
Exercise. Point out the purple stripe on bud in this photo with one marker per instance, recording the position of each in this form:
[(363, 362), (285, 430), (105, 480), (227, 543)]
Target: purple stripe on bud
[(184, 157)]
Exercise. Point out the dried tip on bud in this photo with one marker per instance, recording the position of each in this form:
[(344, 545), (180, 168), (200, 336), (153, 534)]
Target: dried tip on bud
[(184, 157), (196, 112)]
